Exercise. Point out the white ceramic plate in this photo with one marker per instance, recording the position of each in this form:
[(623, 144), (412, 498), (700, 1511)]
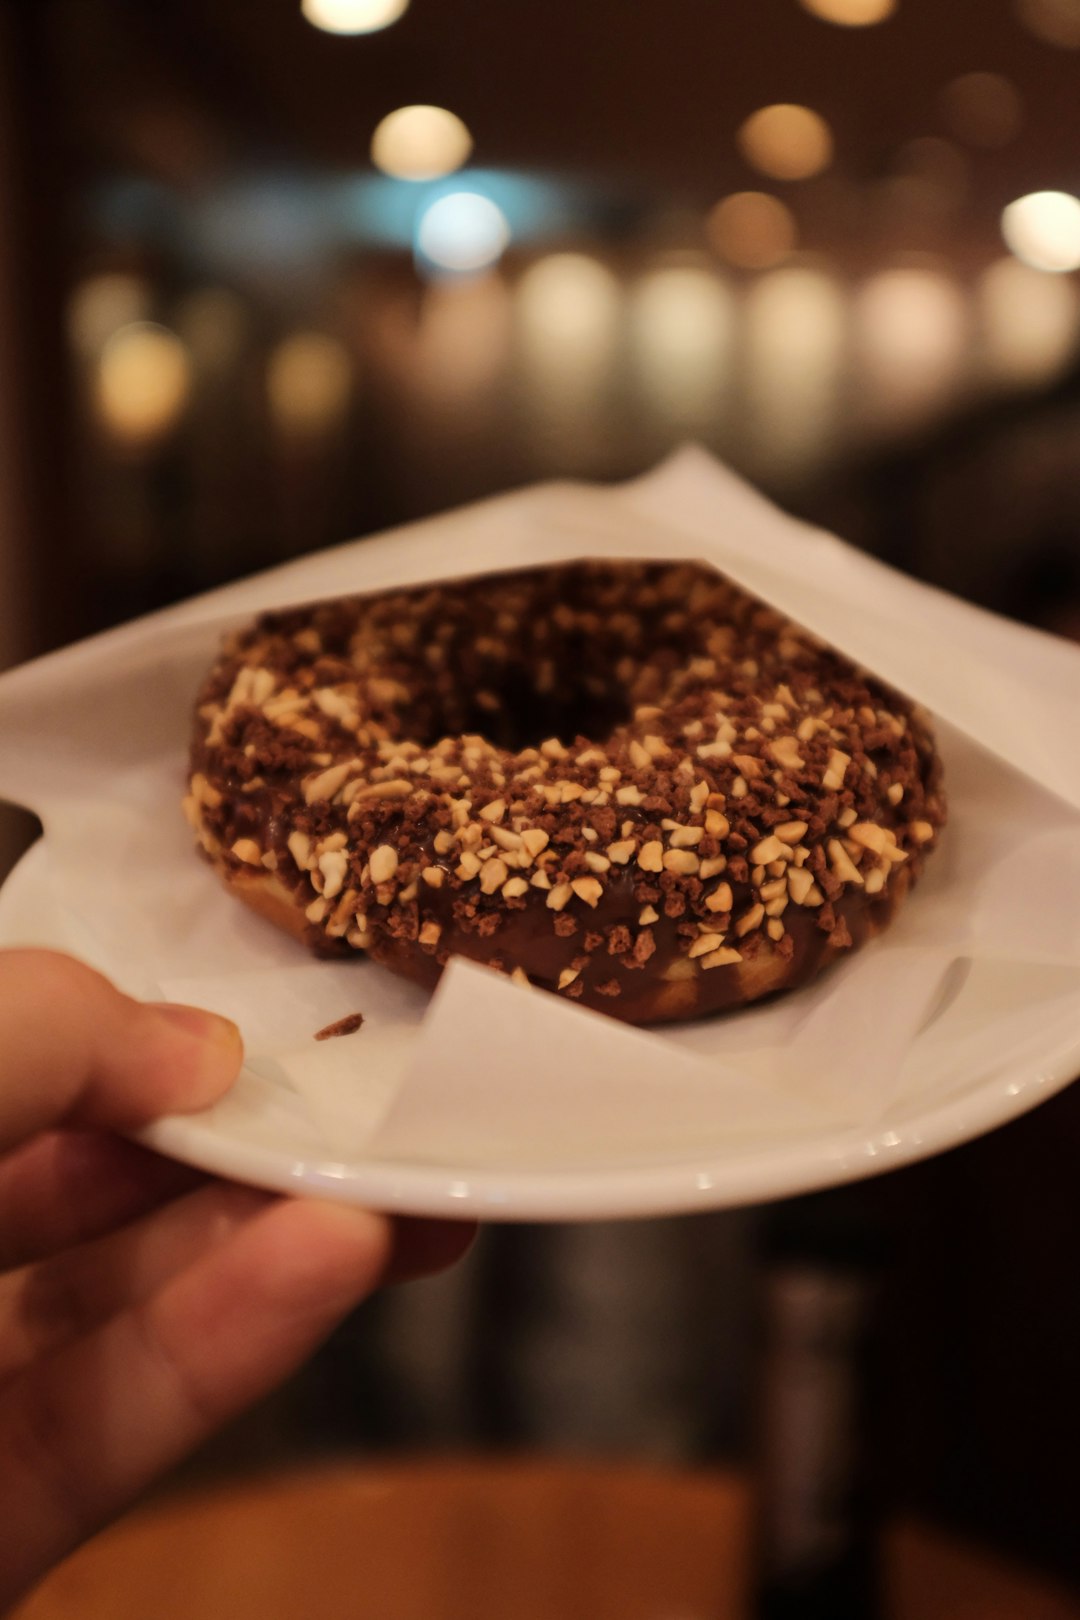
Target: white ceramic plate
[(262, 1134)]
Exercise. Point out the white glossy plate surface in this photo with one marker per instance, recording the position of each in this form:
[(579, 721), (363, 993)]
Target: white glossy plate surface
[(264, 1134)]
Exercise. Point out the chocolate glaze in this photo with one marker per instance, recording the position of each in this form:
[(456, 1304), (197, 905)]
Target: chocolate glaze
[(608, 658)]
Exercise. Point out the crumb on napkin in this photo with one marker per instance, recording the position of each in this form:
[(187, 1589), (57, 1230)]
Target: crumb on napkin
[(343, 1026)]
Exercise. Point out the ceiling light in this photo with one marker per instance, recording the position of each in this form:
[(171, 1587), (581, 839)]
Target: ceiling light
[(353, 16), (143, 382), (569, 316), (420, 143), (568, 301), (1030, 322), (462, 231), (1043, 230), (786, 141), (682, 330), (463, 343), (308, 382), (911, 330), (1055, 22), (794, 325), (982, 109), (752, 230), (851, 13)]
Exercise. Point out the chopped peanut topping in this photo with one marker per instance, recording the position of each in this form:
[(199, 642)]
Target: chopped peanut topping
[(587, 889), (750, 920)]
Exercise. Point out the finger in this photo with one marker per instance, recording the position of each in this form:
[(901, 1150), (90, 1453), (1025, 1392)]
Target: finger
[(75, 1049), (68, 1187), (46, 1306), (422, 1247), (88, 1429)]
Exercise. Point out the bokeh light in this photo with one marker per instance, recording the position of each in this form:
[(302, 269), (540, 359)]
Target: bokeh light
[(786, 141), (420, 143), (795, 324), (568, 304), (851, 13), (462, 348), (462, 231), (682, 328), (982, 109), (752, 230), (353, 16), (100, 306), (308, 383), (568, 318), (911, 329), (143, 382), (1055, 22), (1043, 229), (1030, 323)]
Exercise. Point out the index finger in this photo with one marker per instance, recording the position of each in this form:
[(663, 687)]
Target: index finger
[(74, 1049)]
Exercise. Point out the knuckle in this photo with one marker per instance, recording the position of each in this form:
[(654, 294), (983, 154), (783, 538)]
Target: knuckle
[(194, 1407), (56, 978)]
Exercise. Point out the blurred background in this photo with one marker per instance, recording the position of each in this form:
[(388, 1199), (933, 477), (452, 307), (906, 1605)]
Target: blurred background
[(277, 273)]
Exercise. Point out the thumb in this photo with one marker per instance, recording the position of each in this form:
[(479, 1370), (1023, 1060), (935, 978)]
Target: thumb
[(74, 1049)]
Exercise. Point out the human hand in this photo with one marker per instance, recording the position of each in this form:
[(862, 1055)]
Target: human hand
[(141, 1304)]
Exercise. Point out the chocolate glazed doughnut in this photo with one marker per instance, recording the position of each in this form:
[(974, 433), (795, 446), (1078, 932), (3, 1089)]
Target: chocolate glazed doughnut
[(632, 785)]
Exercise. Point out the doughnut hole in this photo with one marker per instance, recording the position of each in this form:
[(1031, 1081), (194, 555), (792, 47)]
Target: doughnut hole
[(511, 710)]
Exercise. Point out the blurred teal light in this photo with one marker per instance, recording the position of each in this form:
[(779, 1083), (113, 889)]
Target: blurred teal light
[(387, 212)]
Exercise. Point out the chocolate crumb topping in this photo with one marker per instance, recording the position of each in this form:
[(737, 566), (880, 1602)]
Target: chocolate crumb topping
[(635, 768)]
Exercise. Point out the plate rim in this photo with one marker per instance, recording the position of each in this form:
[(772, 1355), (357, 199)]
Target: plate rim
[(592, 1192), (623, 1193)]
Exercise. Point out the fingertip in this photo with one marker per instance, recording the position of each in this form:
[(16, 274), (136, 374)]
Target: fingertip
[(198, 1022), (192, 1058), (422, 1247)]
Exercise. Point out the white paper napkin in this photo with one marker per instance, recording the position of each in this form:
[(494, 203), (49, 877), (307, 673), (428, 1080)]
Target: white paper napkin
[(983, 960)]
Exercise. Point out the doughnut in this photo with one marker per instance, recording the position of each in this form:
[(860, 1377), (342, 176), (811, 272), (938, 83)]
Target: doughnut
[(633, 785)]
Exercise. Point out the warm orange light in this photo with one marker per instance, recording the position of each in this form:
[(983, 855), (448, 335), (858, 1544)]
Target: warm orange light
[(308, 382), (851, 13), (682, 329), (143, 382), (420, 143), (1030, 323), (568, 304), (911, 334), (463, 345), (752, 230), (786, 141), (795, 336), (1055, 22)]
